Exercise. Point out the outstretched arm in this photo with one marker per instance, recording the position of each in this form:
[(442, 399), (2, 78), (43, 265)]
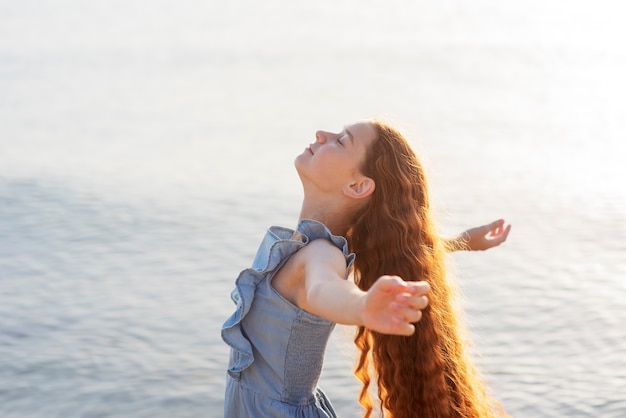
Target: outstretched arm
[(480, 238), (390, 306)]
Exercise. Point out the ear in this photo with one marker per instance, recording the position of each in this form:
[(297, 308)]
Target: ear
[(360, 188)]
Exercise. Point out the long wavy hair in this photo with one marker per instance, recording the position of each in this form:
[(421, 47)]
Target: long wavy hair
[(428, 374)]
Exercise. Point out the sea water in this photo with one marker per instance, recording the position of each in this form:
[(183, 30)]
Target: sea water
[(146, 146)]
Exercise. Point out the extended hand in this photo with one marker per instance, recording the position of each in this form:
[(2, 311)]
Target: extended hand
[(484, 237), (393, 305)]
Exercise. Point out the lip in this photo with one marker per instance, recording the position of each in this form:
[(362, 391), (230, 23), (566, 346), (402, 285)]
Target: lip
[(310, 150)]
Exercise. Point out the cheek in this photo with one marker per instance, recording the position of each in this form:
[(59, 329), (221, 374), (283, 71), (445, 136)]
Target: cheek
[(330, 172), (333, 166)]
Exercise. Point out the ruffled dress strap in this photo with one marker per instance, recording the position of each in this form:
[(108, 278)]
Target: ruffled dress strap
[(275, 249)]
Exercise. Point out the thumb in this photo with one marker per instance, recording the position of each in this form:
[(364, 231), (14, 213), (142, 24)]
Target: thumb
[(389, 283)]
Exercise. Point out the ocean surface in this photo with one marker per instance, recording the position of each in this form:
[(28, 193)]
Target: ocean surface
[(146, 146)]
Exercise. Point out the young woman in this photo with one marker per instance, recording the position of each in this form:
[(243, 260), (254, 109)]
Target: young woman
[(365, 212)]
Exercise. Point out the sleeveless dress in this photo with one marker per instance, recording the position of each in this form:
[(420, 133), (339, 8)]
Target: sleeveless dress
[(277, 349)]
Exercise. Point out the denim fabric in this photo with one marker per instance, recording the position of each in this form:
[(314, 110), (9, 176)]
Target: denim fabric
[(277, 349)]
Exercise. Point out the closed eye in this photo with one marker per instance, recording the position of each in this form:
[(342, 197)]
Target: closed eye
[(341, 135)]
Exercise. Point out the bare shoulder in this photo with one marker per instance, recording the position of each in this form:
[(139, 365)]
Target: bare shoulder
[(312, 260), (322, 260), (322, 263), (322, 251)]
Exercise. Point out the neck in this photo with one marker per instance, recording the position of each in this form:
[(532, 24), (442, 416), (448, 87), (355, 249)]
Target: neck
[(330, 212)]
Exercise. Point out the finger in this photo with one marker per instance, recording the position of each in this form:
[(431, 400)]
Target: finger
[(412, 302), (495, 226), (505, 233), (391, 283), (502, 236), (419, 303), (408, 316), (387, 285), (485, 229), (408, 307), (403, 328), (418, 288)]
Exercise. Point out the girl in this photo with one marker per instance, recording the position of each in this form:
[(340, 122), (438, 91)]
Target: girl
[(366, 212)]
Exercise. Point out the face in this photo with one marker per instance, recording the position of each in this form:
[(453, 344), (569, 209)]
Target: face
[(332, 162)]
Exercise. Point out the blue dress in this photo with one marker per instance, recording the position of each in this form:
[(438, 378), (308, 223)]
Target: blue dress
[(277, 349)]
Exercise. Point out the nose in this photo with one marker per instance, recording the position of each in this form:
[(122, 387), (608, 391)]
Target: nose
[(320, 136)]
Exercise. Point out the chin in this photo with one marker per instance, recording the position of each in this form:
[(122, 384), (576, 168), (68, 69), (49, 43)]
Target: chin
[(299, 159), (299, 169)]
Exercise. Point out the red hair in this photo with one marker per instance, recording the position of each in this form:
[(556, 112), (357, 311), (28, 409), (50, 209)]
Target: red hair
[(428, 374)]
